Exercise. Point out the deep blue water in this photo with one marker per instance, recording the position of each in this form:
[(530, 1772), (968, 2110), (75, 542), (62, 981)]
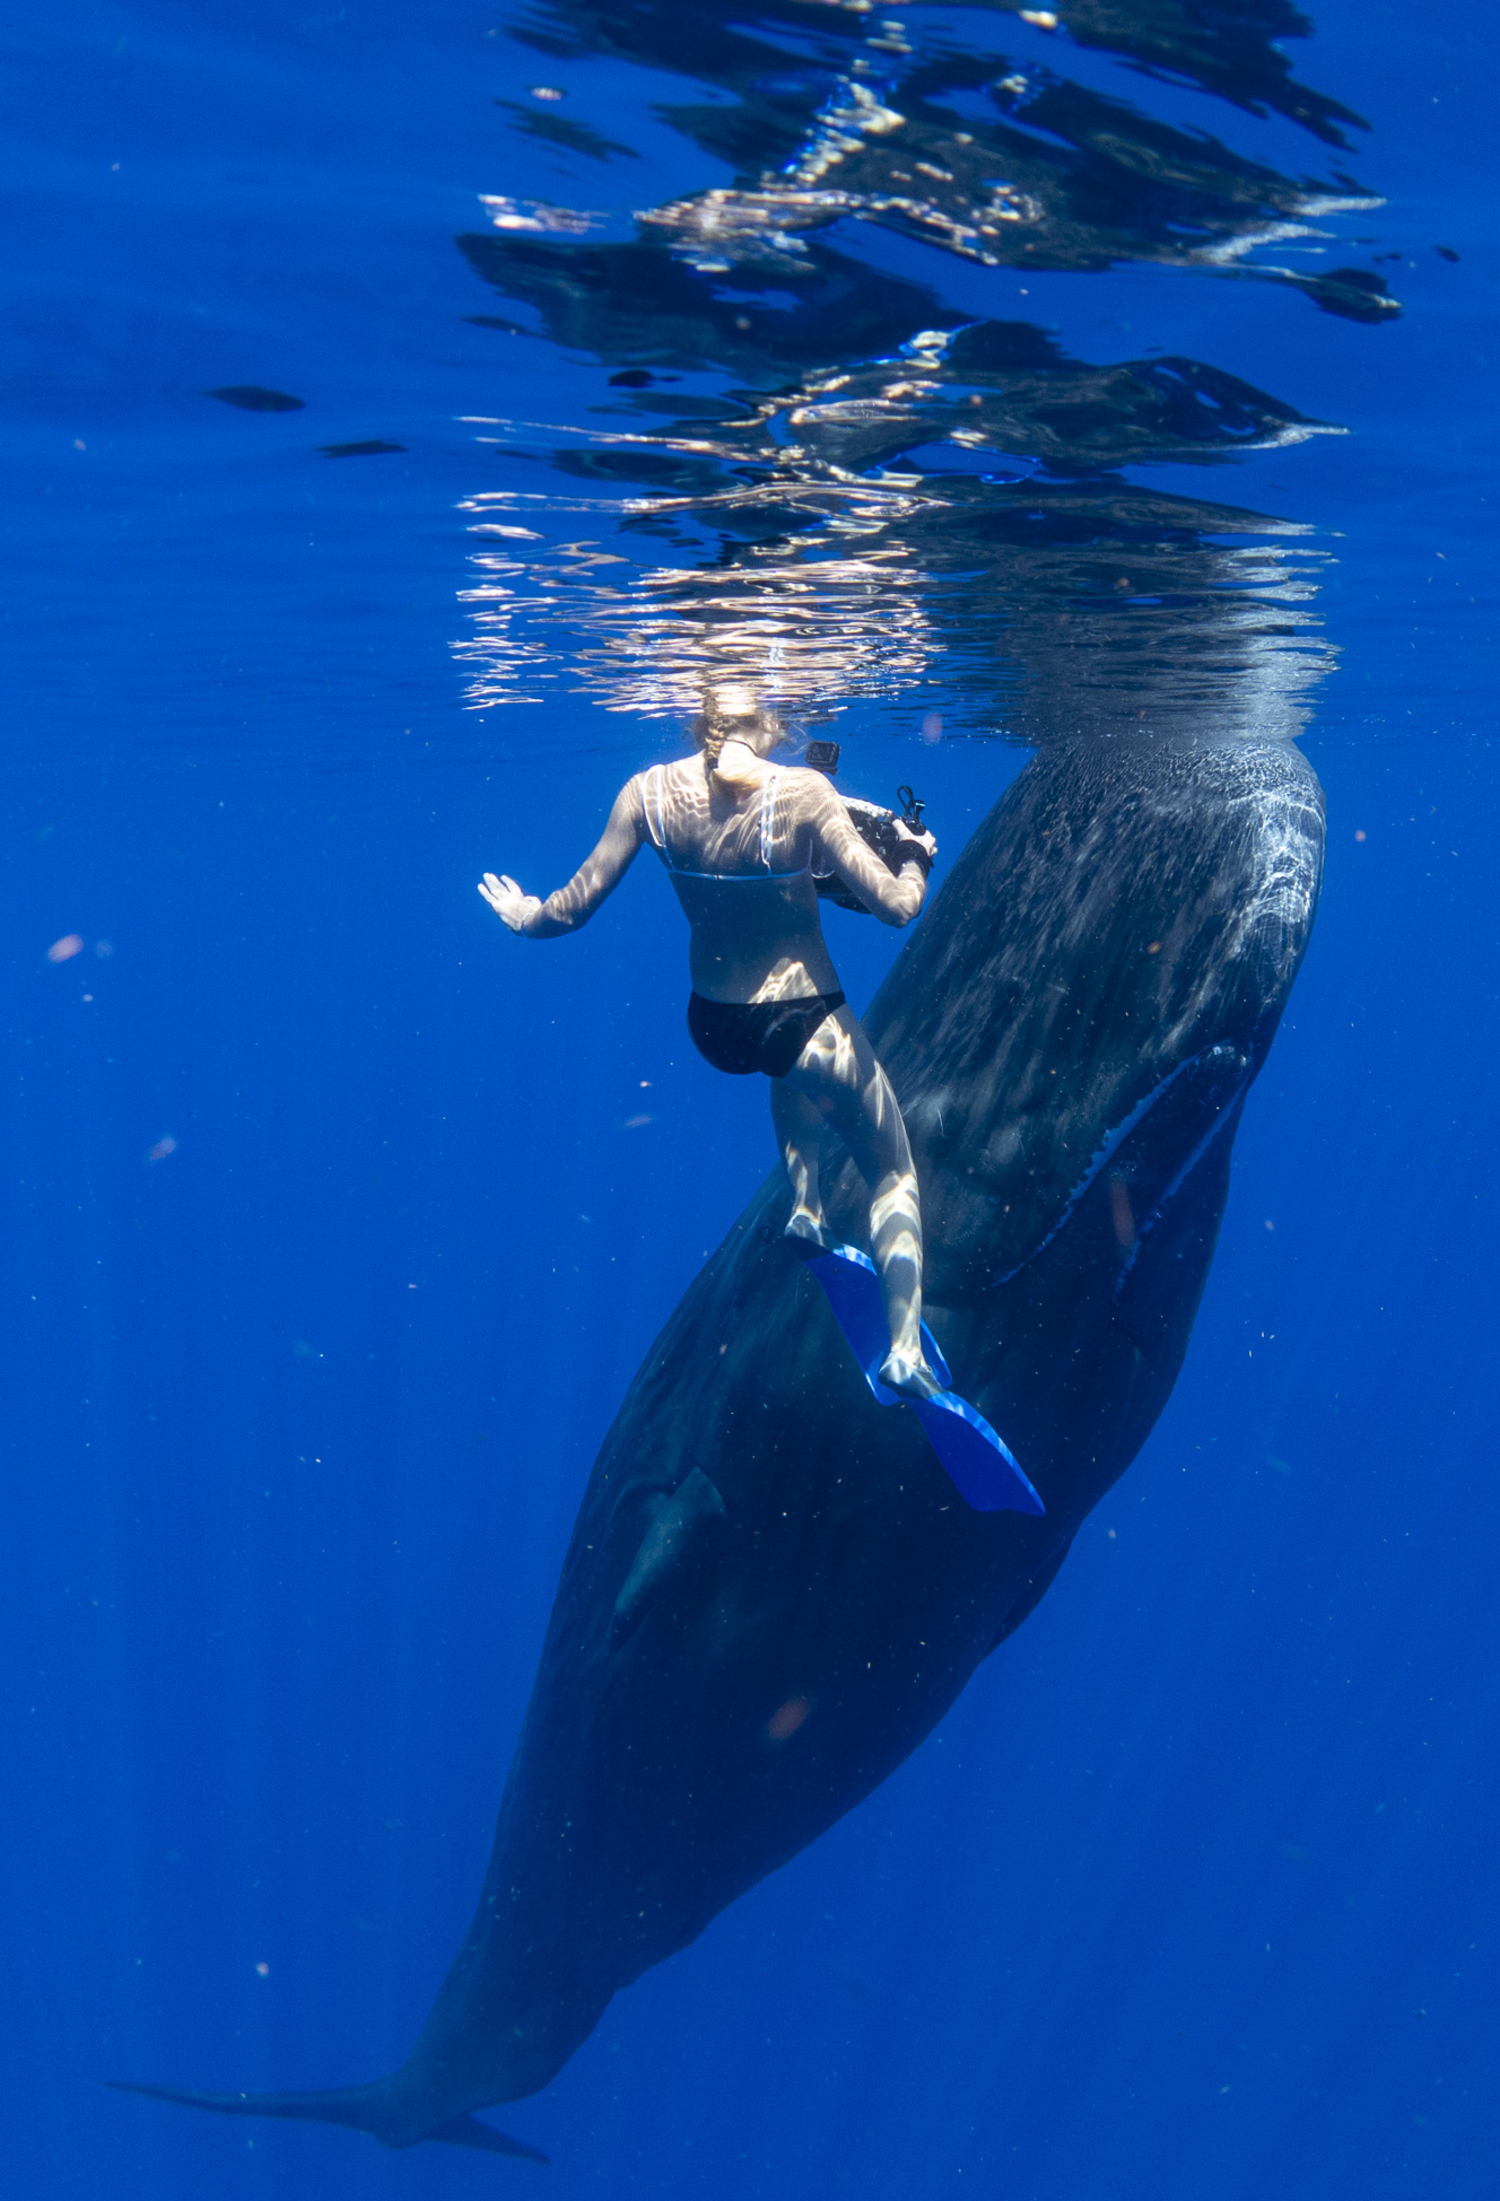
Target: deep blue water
[(1193, 1892)]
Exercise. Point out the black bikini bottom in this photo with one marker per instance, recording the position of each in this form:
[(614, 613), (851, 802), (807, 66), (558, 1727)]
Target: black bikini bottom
[(745, 1036)]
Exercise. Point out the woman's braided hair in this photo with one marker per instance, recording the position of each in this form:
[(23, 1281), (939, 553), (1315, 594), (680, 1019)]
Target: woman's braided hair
[(713, 727)]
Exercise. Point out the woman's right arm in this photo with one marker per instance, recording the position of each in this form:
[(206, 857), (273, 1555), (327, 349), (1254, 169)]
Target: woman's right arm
[(893, 897), (598, 876)]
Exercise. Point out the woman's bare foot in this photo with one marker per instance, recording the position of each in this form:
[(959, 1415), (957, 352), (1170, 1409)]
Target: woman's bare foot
[(913, 1379), (809, 1232)]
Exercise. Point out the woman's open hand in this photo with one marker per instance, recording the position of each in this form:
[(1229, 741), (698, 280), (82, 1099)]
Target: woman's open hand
[(507, 900)]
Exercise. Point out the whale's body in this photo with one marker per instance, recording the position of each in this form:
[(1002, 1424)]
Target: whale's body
[(773, 1593)]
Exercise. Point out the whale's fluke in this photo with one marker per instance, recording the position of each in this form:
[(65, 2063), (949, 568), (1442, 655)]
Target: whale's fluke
[(363, 2108)]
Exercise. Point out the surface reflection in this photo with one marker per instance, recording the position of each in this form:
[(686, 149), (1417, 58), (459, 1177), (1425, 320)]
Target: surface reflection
[(875, 487)]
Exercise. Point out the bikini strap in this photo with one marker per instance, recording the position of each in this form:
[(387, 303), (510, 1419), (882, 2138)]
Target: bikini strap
[(651, 797), (768, 817)]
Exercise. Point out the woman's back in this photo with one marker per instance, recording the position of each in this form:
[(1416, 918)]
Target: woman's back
[(740, 858), (707, 828), (739, 839)]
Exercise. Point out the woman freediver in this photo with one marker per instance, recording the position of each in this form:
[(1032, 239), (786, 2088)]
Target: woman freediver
[(739, 838)]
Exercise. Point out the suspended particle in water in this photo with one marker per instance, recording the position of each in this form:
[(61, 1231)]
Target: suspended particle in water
[(63, 951), (932, 726), (162, 1149), (1121, 1214), (787, 1718)]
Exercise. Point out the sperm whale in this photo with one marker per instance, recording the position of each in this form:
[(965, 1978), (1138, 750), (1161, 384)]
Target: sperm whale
[(772, 1593)]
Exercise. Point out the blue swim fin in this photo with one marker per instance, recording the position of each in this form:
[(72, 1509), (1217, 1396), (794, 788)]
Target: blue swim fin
[(852, 1290), (978, 1461), (980, 1464)]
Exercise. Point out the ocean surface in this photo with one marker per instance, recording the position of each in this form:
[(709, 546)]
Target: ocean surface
[(408, 413)]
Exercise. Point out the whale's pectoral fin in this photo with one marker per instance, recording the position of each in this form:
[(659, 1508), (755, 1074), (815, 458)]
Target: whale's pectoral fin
[(670, 1545), (362, 2108)]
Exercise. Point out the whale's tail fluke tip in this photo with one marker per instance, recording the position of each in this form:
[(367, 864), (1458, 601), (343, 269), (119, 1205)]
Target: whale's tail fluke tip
[(473, 2132), (363, 2108)]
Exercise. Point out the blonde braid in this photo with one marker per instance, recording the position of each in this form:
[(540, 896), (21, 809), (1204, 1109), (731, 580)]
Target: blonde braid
[(711, 732), (710, 735)]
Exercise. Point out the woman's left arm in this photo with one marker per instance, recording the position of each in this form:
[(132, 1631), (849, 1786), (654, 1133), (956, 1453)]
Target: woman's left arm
[(598, 876), (895, 897)]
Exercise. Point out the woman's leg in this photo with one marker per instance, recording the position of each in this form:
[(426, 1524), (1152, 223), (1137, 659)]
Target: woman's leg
[(838, 1078), (799, 1128)]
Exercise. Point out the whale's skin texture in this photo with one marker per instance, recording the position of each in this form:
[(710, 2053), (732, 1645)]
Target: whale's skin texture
[(773, 1593)]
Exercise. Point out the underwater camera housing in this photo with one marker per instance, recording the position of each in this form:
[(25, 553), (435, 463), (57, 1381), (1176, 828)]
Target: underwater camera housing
[(876, 827)]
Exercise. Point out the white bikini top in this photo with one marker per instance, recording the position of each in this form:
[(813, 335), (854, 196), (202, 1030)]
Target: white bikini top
[(657, 834)]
